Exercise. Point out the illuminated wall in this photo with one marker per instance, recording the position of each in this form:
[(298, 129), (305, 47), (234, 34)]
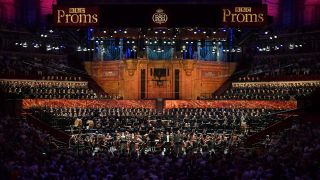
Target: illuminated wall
[(25, 12), (195, 78), (46, 9), (312, 12), (294, 12), (7, 11), (273, 9)]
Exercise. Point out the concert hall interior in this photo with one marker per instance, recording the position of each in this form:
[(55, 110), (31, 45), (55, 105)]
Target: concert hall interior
[(167, 89)]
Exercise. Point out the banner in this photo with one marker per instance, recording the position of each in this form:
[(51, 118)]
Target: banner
[(244, 16), (160, 15), (74, 16)]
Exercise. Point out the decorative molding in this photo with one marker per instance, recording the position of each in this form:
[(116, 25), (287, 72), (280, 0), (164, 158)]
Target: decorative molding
[(131, 66), (188, 66)]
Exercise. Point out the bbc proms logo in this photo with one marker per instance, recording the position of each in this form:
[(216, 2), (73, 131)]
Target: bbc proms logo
[(76, 16), (160, 17)]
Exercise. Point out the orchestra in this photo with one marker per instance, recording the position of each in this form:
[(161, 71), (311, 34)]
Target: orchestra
[(156, 141)]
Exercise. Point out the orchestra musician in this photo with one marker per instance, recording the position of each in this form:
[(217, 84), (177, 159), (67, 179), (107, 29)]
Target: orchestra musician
[(177, 142), (137, 142), (131, 143), (190, 142), (123, 142), (152, 140), (211, 144), (90, 124), (107, 141), (78, 123)]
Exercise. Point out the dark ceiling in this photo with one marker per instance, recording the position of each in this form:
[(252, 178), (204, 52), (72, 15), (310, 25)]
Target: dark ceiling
[(158, 1)]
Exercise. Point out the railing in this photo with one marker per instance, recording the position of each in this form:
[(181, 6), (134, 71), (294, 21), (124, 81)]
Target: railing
[(286, 123), (59, 135)]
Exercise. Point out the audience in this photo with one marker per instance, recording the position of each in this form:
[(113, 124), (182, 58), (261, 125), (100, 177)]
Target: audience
[(268, 91), (26, 153), (30, 66), (51, 89), (286, 67)]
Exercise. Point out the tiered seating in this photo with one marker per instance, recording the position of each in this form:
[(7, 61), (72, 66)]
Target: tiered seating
[(51, 68), (276, 77), (270, 90), (17, 65), (289, 65), (50, 89)]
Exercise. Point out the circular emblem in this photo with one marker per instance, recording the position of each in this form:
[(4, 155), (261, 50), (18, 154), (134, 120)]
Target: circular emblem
[(160, 17)]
